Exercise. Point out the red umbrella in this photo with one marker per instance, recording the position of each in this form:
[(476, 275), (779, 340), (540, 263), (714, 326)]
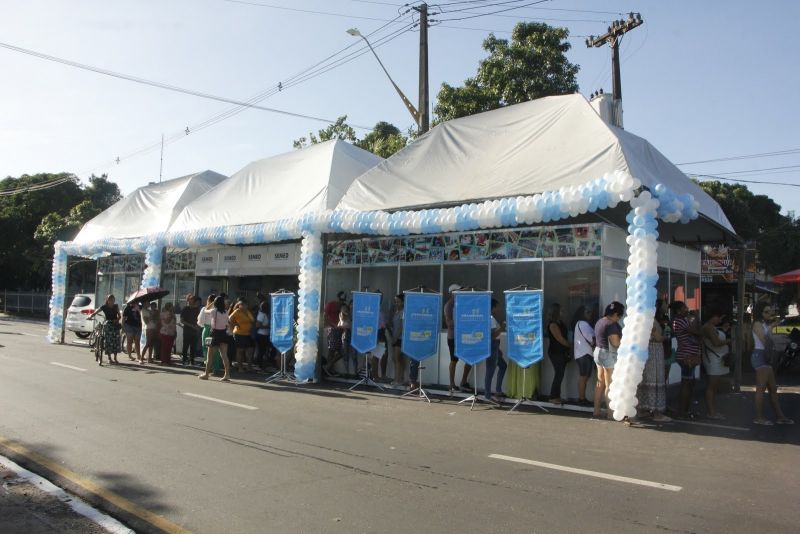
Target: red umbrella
[(791, 276), (148, 294)]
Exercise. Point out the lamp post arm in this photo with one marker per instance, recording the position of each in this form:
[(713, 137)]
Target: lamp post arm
[(411, 109)]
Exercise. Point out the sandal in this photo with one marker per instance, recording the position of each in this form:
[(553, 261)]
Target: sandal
[(763, 422), (785, 421)]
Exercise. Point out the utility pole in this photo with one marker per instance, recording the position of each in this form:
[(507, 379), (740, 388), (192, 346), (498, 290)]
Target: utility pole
[(613, 37), (424, 104)]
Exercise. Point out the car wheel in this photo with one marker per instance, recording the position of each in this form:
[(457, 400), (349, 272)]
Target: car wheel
[(83, 335)]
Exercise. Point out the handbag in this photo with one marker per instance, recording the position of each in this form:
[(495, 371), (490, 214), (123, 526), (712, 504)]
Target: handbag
[(207, 341)]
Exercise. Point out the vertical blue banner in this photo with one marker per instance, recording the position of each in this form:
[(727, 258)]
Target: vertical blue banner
[(421, 325), (281, 325), (524, 327), (473, 331), (366, 312)]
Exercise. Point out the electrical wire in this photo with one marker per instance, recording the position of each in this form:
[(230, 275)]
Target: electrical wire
[(307, 11), (168, 87), (746, 156), (754, 170), (486, 14), (315, 70), (35, 187), (715, 177)]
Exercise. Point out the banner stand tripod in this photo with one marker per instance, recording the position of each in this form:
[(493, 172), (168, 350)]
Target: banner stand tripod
[(366, 380), (475, 398), (422, 394), (522, 399), (282, 374)]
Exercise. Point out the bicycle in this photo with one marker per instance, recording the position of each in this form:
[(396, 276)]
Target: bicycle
[(96, 341)]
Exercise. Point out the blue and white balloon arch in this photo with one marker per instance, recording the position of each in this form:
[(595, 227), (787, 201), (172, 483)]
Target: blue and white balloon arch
[(602, 193)]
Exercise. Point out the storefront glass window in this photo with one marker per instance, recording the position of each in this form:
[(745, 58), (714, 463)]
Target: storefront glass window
[(184, 284), (511, 275), (693, 292), (467, 275), (427, 276), (662, 286), (572, 283), (677, 283), (383, 278), (340, 280)]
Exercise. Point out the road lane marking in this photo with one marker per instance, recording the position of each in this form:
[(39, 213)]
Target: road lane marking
[(714, 425), (212, 399), (77, 504), (586, 472), (92, 487), (67, 366)]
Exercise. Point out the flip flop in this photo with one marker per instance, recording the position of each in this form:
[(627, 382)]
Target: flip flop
[(763, 422), (785, 421)]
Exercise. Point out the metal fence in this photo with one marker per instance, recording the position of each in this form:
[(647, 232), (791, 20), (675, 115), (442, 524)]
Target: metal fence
[(27, 302)]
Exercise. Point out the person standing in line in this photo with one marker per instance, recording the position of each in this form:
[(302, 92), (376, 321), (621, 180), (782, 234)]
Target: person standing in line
[(451, 344), (495, 360), (150, 319), (218, 320), (334, 333), (608, 335), (582, 348), (652, 391), (717, 347), (262, 333), (396, 330), (242, 322), (204, 322), (763, 345), (557, 350), (132, 322), (111, 327), (345, 326), (689, 334), (167, 333), (191, 330)]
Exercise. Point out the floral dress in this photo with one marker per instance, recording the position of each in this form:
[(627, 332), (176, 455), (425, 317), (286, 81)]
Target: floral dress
[(111, 338)]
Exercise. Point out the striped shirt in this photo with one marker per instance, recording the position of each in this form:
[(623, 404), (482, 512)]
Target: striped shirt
[(688, 343)]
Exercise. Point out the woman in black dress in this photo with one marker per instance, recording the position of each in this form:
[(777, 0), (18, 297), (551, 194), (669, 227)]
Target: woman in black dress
[(111, 328)]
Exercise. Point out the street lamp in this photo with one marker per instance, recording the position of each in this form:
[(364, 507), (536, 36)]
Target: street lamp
[(411, 109)]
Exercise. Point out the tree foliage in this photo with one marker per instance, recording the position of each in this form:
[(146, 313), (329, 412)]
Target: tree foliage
[(383, 140), (32, 221), (758, 218), (532, 65)]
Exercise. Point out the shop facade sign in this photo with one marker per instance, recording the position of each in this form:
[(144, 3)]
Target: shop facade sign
[(720, 264), (254, 260)]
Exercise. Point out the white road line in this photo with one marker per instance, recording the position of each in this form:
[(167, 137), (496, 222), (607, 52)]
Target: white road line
[(212, 399), (616, 478), (714, 425), (78, 505), (67, 366)]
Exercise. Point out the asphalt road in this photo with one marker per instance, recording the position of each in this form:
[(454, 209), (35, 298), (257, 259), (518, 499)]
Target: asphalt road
[(147, 445)]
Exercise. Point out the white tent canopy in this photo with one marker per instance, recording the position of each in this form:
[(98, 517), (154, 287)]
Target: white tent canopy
[(524, 149), (149, 209), (306, 180)]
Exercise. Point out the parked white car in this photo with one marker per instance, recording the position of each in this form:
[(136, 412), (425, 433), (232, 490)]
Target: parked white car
[(78, 315)]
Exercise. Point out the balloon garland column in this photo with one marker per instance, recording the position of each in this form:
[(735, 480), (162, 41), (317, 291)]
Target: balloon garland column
[(310, 285), (59, 288), (153, 258), (641, 299)]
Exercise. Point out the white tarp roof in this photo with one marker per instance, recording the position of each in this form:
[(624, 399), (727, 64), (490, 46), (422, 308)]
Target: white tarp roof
[(306, 180), (149, 209), (524, 149)]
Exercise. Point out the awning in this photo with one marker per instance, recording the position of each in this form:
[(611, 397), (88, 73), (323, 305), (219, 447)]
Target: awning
[(791, 276)]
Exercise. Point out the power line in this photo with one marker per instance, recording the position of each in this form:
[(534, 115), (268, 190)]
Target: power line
[(486, 14), (746, 156), (35, 187), (740, 180), (160, 85), (315, 70), (756, 170), (307, 11)]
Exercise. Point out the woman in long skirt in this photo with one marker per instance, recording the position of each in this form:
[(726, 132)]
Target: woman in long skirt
[(652, 393)]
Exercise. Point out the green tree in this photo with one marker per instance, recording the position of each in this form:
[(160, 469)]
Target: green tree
[(32, 220), (758, 218), (532, 65), (383, 140)]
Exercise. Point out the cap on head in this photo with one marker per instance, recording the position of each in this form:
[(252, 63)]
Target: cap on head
[(453, 287)]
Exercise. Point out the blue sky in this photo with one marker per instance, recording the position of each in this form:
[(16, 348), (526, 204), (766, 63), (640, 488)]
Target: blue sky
[(701, 80)]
